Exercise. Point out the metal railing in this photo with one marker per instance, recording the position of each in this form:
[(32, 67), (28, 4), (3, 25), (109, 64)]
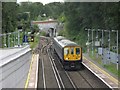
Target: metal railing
[(13, 39)]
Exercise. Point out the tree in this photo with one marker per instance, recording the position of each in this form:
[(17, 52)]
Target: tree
[(9, 14), (95, 15)]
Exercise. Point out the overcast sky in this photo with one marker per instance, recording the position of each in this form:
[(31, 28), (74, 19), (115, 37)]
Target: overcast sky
[(42, 1)]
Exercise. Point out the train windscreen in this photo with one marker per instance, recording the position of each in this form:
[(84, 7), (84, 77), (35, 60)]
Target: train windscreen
[(77, 51), (72, 50), (66, 51)]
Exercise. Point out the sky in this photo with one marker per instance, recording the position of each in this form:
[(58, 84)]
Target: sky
[(42, 1)]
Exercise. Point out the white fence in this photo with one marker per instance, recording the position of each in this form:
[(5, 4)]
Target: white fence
[(108, 56)]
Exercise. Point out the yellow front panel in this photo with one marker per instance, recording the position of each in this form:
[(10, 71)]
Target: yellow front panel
[(70, 54)]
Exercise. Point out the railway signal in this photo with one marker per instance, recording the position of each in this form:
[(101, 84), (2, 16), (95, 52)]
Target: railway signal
[(32, 38)]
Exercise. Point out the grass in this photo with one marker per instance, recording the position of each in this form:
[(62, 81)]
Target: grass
[(110, 67), (95, 58)]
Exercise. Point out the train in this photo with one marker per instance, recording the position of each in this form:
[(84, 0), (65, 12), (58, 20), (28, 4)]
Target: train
[(69, 52)]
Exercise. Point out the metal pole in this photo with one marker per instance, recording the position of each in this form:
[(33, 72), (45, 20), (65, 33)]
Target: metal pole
[(88, 40), (8, 41), (18, 38), (4, 40), (97, 46), (102, 48), (14, 38), (109, 44), (117, 51), (92, 42), (109, 48)]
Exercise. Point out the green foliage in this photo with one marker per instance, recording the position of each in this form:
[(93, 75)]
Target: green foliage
[(35, 9), (112, 68), (78, 16), (61, 18), (62, 33), (35, 43), (53, 10), (35, 28), (9, 14), (42, 33)]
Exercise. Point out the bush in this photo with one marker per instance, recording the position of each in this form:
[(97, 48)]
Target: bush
[(42, 33)]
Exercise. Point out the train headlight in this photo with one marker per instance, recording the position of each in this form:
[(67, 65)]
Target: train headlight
[(66, 58)]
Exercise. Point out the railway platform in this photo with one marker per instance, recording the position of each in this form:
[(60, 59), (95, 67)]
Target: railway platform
[(110, 80), (32, 77)]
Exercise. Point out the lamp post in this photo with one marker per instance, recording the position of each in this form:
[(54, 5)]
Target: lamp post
[(117, 47), (14, 37), (108, 50), (92, 38), (97, 42), (92, 41), (9, 39), (102, 46), (108, 43), (117, 51), (88, 38)]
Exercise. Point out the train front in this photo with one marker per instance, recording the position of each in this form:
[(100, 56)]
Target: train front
[(72, 57)]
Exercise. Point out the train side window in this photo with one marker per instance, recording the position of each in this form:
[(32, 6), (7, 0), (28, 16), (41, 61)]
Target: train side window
[(77, 50), (72, 50), (66, 51)]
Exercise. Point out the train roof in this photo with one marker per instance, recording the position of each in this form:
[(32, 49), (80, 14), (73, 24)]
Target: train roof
[(59, 38), (64, 42)]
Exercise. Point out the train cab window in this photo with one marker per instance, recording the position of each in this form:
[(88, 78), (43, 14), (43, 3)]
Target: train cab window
[(77, 50), (72, 50), (66, 51)]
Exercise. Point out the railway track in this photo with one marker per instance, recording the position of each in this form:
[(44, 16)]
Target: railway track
[(56, 73), (64, 74), (65, 79), (85, 78), (50, 63), (44, 80)]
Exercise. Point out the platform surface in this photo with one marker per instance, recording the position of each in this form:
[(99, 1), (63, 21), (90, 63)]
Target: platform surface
[(100, 72)]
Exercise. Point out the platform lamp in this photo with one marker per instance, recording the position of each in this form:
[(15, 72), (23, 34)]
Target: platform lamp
[(88, 38), (92, 40), (108, 42), (116, 31)]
